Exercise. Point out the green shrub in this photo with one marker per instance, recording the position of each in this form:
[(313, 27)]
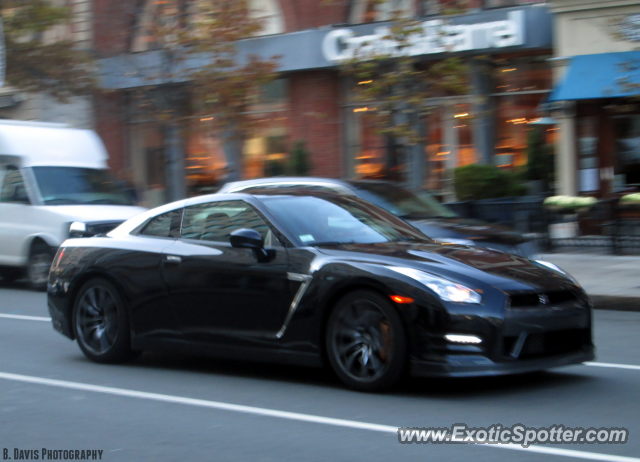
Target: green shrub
[(474, 182)]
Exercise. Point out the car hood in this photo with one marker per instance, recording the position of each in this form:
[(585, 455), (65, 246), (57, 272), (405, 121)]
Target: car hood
[(463, 228), (501, 270), (95, 213)]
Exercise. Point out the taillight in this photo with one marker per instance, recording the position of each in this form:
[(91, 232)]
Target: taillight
[(58, 258)]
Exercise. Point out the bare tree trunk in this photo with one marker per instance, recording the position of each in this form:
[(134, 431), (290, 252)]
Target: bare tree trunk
[(233, 153), (175, 171)]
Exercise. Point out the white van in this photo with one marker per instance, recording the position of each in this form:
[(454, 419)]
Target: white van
[(51, 176)]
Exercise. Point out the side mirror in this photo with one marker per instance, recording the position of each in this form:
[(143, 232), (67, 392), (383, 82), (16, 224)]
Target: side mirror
[(246, 239), (251, 239)]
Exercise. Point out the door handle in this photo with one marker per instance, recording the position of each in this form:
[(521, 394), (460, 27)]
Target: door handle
[(173, 259)]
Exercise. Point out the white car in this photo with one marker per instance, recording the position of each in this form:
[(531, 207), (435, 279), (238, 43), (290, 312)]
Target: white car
[(50, 177)]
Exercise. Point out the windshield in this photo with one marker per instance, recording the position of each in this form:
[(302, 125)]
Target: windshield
[(401, 202), (72, 185), (339, 220)]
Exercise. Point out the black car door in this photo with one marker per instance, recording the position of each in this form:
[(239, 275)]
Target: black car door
[(137, 266), (219, 291)]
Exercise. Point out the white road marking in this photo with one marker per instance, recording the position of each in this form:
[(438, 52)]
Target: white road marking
[(290, 415), (619, 366), (25, 318)]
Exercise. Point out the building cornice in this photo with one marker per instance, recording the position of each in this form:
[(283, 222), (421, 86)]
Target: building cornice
[(568, 6)]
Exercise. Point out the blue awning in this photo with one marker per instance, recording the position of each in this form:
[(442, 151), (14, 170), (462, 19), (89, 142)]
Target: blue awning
[(606, 75)]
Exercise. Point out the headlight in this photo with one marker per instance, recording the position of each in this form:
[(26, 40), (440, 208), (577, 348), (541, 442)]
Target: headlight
[(557, 269), (447, 290), (449, 240)]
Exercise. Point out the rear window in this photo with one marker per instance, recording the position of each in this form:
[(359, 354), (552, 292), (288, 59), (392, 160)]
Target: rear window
[(165, 225)]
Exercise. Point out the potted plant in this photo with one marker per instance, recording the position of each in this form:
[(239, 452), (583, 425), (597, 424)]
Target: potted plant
[(567, 226), (569, 204)]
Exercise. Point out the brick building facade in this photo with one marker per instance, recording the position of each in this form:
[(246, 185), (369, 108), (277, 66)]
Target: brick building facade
[(310, 100)]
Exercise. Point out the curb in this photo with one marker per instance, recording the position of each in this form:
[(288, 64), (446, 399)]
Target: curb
[(612, 303)]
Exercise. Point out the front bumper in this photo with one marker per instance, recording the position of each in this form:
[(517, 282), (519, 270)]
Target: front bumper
[(478, 366)]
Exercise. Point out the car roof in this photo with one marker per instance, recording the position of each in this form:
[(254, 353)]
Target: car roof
[(239, 185)]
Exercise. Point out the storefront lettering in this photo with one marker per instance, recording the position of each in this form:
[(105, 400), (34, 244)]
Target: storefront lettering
[(437, 36)]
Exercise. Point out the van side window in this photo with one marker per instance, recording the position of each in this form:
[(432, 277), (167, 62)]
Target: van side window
[(165, 225), (14, 190)]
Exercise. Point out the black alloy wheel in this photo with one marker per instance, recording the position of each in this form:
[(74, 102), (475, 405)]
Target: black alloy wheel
[(365, 340), (38, 266), (101, 323)]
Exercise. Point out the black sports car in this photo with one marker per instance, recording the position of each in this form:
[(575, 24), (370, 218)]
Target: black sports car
[(311, 280)]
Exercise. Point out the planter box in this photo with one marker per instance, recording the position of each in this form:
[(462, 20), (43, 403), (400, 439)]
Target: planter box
[(567, 230)]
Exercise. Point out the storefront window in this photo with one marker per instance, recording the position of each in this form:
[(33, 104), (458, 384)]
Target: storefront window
[(463, 128), (627, 165), (265, 152), (589, 178), (437, 153), (205, 159), (512, 76), (370, 149), (365, 11), (157, 15), (514, 115)]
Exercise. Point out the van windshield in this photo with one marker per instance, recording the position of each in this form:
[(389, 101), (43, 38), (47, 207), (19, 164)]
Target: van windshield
[(73, 185)]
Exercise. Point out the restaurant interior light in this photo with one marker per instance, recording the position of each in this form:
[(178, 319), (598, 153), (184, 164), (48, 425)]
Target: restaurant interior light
[(462, 115), (364, 82)]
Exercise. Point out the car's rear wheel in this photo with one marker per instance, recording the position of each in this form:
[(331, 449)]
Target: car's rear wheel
[(38, 266), (365, 341), (101, 323)]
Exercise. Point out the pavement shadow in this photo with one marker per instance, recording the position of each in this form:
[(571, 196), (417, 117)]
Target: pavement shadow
[(14, 285), (444, 388), (496, 385)]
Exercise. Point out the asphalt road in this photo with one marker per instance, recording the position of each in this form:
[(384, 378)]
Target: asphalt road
[(164, 407)]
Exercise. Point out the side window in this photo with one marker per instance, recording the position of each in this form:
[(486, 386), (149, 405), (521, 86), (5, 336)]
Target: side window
[(13, 188), (165, 225), (216, 221)]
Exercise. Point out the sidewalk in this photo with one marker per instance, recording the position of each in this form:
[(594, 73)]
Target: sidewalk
[(613, 282)]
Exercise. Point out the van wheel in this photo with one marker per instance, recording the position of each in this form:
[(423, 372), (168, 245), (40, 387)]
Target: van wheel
[(38, 267)]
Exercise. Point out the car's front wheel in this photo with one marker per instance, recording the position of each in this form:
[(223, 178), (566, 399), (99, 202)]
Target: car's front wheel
[(366, 343), (101, 323)]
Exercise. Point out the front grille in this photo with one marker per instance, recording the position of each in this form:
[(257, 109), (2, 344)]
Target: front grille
[(94, 229), (554, 343), (534, 299)]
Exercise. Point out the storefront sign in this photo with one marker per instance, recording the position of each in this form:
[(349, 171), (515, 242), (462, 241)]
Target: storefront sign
[(437, 36), (630, 28)]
